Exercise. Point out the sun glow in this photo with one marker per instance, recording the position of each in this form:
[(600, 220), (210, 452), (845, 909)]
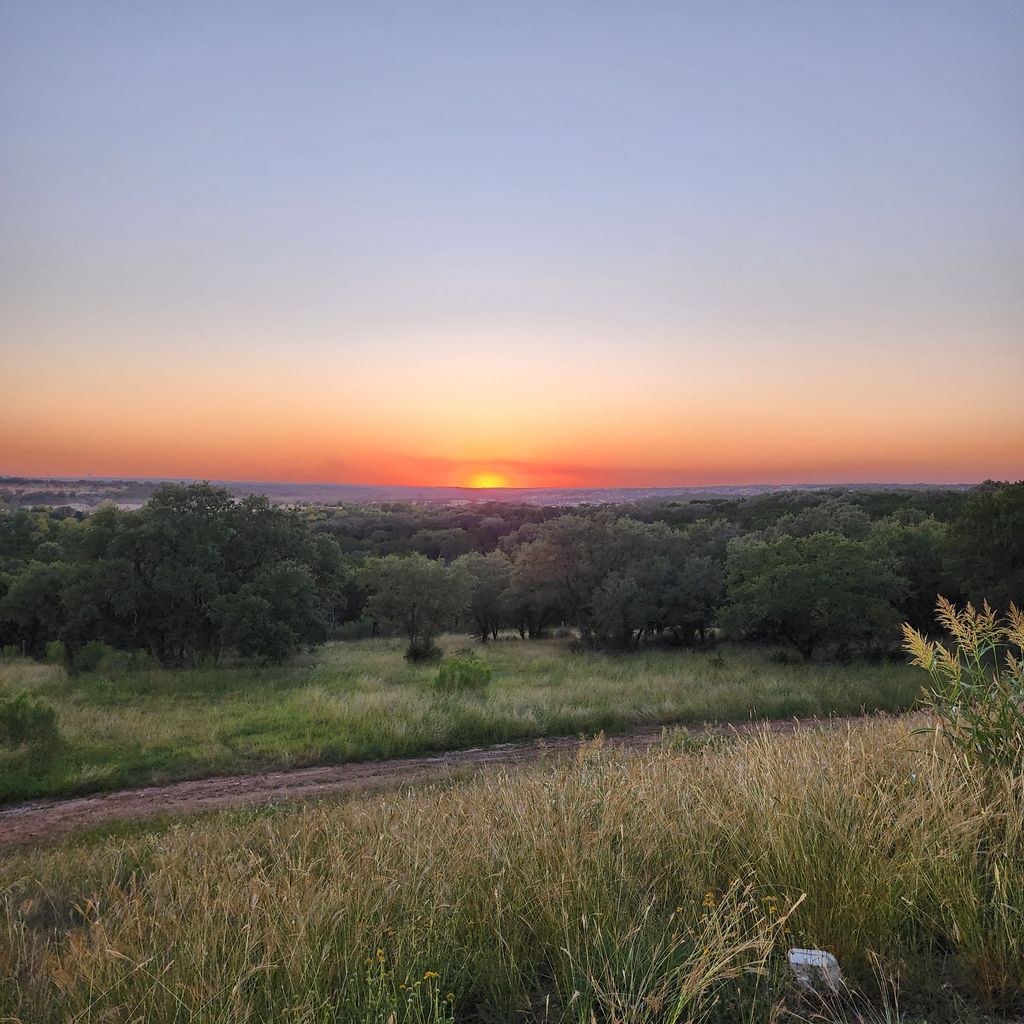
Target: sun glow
[(485, 480)]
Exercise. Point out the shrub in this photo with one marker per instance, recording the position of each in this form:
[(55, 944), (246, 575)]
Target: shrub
[(26, 721), (89, 656), (115, 663), (423, 652), (355, 629), (463, 671), (56, 652), (97, 656), (142, 661), (977, 684)]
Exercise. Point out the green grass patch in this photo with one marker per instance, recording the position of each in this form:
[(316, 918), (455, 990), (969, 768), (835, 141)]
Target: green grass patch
[(363, 700)]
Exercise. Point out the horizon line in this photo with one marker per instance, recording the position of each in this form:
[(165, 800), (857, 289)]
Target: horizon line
[(464, 487)]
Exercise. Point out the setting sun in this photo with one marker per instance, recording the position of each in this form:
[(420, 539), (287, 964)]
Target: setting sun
[(484, 480)]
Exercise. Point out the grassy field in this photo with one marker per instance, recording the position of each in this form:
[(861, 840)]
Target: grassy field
[(634, 889), (360, 700)]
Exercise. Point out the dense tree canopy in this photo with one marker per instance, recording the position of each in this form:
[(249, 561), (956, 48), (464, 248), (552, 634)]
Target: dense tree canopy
[(823, 590), (987, 542), (196, 573), (487, 579), (192, 573)]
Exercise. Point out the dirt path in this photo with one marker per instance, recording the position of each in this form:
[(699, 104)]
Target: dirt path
[(49, 819)]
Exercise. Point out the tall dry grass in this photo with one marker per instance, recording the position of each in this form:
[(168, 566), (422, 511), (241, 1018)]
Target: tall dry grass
[(629, 889)]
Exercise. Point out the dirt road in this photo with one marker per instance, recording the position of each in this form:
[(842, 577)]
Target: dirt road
[(50, 819)]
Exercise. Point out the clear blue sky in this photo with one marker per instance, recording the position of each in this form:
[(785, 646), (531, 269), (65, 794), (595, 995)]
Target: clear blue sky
[(572, 242)]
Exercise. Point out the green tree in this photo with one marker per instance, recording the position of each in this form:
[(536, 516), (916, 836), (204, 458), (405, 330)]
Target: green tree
[(686, 595), (419, 595), (487, 578), (190, 573), (833, 515), (333, 579), (246, 623), (448, 544), (818, 591), (619, 610), (534, 598), (102, 598), (580, 552), (987, 544), (34, 604), (617, 578), (271, 616), (919, 547)]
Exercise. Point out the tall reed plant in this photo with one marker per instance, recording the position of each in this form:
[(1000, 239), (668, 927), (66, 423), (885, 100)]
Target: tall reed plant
[(977, 681)]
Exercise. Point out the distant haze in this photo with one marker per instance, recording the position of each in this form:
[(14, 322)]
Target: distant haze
[(87, 494), (528, 244)]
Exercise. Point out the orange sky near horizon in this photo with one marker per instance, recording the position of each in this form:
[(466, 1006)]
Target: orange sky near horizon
[(466, 423), (220, 452), (647, 404)]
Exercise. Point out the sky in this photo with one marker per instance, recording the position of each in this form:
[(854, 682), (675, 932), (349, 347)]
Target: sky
[(519, 243)]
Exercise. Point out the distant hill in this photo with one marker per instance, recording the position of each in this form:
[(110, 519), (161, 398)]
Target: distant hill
[(86, 493)]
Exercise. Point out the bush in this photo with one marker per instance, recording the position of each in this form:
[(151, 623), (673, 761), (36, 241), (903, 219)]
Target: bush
[(355, 629), (89, 656), (423, 652), (115, 663), (977, 684), (96, 656), (26, 721), (142, 661), (56, 652), (462, 672)]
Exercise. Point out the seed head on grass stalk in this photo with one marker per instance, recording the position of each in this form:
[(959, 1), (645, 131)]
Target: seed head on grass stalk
[(977, 682), (645, 975)]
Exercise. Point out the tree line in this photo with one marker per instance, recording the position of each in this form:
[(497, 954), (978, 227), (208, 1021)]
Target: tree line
[(192, 574), (195, 574)]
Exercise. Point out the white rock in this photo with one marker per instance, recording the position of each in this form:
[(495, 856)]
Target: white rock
[(812, 967)]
